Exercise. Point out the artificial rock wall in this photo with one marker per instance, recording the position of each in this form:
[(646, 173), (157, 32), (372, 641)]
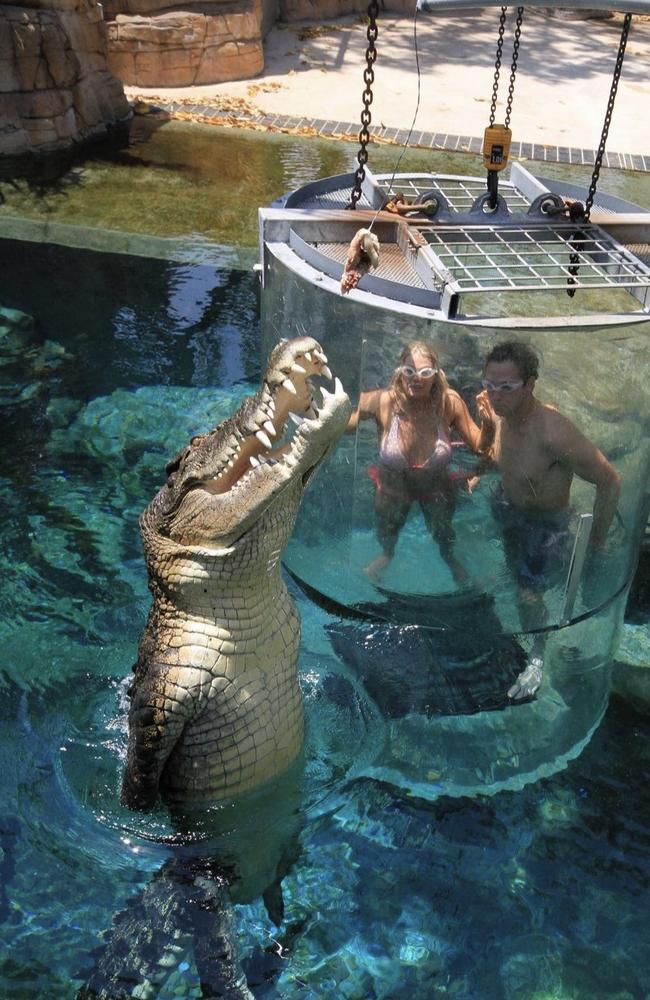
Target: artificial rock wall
[(182, 43), (55, 87), (194, 42)]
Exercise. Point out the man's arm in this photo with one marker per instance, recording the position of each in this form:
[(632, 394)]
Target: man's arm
[(488, 419), (581, 456)]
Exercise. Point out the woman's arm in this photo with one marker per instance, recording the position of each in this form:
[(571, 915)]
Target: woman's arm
[(368, 408), (462, 422)]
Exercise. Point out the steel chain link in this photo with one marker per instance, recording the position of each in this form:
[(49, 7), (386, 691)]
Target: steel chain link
[(513, 66), (497, 64), (366, 117), (573, 244), (577, 211), (608, 115)]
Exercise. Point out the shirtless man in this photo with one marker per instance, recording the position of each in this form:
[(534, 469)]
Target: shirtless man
[(537, 451)]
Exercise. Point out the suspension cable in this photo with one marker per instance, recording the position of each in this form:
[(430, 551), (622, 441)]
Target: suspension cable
[(415, 113), (366, 117)]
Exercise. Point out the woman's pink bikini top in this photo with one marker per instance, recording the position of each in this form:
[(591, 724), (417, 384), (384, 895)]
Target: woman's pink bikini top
[(391, 454)]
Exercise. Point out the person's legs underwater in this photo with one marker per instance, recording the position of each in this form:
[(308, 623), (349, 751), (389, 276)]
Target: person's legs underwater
[(535, 547), (390, 518), (438, 516)]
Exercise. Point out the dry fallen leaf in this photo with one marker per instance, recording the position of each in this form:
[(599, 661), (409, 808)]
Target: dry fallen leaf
[(263, 88), (315, 31)]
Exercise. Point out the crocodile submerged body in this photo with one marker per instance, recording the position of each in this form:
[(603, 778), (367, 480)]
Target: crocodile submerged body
[(216, 708)]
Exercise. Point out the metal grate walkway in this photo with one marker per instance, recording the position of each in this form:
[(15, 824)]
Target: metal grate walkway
[(460, 193), (533, 258)]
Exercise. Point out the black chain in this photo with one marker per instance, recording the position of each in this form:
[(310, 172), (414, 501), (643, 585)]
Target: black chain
[(497, 64), (578, 212), (368, 78), (608, 114), (513, 66)]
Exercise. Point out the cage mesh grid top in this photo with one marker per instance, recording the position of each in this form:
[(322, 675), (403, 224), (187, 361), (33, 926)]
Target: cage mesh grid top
[(459, 193), (332, 200), (485, 258)]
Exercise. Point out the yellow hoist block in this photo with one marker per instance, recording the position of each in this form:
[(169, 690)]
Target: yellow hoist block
[(496, 146)]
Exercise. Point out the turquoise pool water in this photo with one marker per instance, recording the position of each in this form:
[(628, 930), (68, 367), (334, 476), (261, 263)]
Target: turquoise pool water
[(110, 363)]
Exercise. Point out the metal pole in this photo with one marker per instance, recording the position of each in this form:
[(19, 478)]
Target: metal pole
[(576, 566)]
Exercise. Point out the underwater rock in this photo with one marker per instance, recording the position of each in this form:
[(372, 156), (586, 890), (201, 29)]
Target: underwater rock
[(152, 419), (26, 363)]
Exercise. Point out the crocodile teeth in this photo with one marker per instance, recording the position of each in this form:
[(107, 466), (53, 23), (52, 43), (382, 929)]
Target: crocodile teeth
[(311, 412), (297, 419), (269, 428), (295, 367), (289, 386), (308, 355), (321, 357), (326, 372), (254, 461), (338, 388), (263, 439)]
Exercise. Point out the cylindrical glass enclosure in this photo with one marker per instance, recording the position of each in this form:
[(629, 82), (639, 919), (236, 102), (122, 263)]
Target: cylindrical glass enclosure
[(435, 647)]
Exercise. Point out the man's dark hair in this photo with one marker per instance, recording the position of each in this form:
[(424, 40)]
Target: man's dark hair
[(522, 355)]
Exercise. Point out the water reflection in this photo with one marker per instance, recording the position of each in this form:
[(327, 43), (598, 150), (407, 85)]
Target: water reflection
[(160, 322)]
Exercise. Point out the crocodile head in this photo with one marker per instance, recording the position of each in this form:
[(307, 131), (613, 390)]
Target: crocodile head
[(221, 484)]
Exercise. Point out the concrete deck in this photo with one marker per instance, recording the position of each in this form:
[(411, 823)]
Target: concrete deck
[(313, 81)]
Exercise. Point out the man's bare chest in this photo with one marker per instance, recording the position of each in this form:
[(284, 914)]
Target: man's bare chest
[(527, 466)]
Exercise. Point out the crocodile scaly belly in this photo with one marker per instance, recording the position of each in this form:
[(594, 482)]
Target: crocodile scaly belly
[(248, 725), (251, 729)]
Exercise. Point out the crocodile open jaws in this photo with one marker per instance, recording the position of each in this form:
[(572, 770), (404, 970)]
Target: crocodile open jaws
[(216, 708)]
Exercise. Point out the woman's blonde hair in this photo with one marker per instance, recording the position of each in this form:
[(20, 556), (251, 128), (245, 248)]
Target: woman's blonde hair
[(439, 386)]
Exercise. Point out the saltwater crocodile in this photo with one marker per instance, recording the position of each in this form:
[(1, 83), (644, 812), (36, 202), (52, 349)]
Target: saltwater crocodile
[(216, 708)]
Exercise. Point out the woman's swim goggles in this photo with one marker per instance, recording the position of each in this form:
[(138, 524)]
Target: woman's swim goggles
[(409, 372)]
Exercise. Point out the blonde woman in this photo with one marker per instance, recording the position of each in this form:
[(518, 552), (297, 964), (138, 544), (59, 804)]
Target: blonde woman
[(415, 417)]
